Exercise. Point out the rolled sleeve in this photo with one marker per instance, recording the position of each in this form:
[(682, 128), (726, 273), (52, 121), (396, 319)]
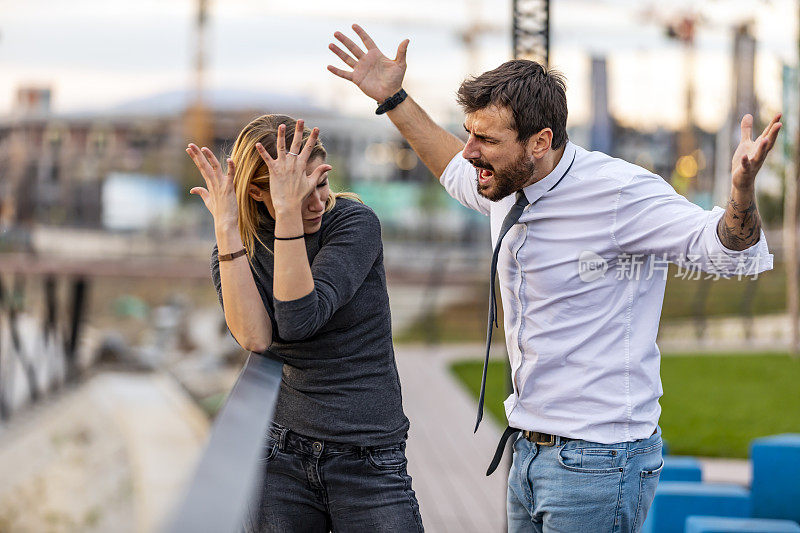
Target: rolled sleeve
[(748, 262), (651, 218), (460, 181)]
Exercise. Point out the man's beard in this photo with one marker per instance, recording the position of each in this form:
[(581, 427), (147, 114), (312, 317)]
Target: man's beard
[(506, 181)]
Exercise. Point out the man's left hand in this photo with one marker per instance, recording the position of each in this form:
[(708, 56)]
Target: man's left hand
[(750, 154)]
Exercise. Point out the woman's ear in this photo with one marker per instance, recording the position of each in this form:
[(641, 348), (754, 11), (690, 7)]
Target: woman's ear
[(255, 193)]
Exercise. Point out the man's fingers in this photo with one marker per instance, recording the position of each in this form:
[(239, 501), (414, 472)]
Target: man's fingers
[(771, 123), (344, 56), (341, 73), (747, 127), (353, 47), (400, 57), (761, 151), (297, 140), (773, 133), (365, 38), (746, 163)]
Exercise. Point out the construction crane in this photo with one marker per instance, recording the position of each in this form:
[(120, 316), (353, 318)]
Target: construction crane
[(531, 30), (197, 120)]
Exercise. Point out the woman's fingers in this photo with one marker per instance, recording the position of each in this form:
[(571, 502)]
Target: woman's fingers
[(203, 194), (202, 164), (212, 160), (231, 168), (281, 142), (310, 143), (264, 155), (297, 140), (319, 171)]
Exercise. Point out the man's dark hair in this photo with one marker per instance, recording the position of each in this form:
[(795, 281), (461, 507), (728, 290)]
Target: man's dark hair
[(536, 97)]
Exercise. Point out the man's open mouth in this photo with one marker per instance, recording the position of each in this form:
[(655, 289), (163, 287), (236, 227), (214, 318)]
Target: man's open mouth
[(484, 175)]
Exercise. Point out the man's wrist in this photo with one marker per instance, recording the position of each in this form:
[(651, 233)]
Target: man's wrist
[(393, 101)]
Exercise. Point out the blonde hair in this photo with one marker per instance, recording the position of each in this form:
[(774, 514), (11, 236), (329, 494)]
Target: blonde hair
[(251, 169)]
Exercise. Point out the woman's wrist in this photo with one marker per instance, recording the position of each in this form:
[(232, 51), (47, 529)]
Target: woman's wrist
[(228, 238), (287, 209)]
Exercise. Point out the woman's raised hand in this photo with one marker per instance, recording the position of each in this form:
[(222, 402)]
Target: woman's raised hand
[(289, 184), (220, 194)]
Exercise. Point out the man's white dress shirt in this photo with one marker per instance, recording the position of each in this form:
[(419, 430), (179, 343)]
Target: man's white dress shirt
[(582, 278)]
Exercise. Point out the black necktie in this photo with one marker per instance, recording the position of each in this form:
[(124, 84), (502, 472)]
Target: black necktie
[(511, 218)]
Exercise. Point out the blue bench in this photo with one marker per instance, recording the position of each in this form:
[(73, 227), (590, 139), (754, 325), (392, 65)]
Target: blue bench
[(676, 500), (776, 476), (716, 524), (678, 468)]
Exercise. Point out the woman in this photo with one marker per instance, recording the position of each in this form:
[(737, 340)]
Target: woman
[(299, 272)]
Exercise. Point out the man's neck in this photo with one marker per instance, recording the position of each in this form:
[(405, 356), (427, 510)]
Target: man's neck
[(546, 165)]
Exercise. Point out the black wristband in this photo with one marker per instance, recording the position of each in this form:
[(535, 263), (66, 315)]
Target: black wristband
[(289, 238), (391, 102)]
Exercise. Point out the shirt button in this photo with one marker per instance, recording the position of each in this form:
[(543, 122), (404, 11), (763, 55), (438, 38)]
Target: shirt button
[(317, 446)]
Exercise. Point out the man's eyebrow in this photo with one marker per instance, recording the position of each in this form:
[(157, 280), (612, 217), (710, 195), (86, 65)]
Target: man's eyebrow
[(478, 135)]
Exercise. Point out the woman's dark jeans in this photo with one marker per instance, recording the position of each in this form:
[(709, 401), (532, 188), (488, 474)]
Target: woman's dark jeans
[(312, 485)]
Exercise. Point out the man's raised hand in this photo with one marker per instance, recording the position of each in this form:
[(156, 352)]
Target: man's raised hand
[(750, 154), (375, 74)]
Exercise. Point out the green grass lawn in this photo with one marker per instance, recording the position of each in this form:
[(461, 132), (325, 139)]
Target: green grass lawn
[(713, 404)]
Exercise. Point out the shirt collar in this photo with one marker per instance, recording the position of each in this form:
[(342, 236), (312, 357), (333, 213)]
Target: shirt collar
[(535, 191)]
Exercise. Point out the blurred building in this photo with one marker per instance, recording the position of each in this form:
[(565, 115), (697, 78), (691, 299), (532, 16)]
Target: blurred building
[(53, 166)]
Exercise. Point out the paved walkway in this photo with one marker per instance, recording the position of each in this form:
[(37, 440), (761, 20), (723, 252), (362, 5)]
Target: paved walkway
[(448, 463), (446, 460)]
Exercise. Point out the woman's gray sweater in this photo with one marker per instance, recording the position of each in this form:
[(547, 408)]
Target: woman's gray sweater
[(340, 379)]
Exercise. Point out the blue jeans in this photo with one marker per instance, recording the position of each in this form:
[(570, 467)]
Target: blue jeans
[(582, 486), (311, 485)]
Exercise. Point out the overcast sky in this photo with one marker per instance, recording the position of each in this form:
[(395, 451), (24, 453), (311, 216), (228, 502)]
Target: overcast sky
[(99, 53)]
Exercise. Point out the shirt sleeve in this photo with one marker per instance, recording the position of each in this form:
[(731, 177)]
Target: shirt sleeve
[(460, 181), (347, 254), (652, 219)]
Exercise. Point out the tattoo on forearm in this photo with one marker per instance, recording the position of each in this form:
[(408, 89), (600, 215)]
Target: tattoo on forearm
[(740, 227)]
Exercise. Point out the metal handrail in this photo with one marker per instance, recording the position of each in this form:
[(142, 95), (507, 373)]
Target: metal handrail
[(227, 471)]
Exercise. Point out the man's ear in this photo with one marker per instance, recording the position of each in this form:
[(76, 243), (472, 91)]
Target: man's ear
[(539, 143), (255, 193)]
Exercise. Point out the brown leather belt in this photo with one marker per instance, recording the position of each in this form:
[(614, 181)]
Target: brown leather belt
[(544, 439)]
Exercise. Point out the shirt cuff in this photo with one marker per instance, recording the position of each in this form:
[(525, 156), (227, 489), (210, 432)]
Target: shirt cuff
[(747, 262)]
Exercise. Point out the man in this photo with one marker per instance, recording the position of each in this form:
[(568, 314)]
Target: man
[(581, 242)]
